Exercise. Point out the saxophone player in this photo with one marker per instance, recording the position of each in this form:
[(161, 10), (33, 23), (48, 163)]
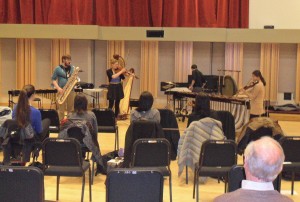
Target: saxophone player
[(60, 78)]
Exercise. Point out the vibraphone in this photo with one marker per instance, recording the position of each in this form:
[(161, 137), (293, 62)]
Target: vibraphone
[(240, 108), (43, 93)]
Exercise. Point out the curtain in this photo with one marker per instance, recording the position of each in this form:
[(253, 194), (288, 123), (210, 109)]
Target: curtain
[(269, 67), (146, 13), (297, 93), (149, 67), (234, 62), (25, 61), (183, 60), (59, 47), (115, 47)]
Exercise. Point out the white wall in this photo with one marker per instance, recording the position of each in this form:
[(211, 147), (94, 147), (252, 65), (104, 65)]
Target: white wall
[(282, 14)]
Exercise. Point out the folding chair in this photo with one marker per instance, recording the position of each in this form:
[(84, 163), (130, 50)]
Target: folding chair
[(107, 123), (291, 148), (62, 157), (237, 174), (21, 184), (127, 185), (154, 153), (54, 119), (216, 159), (76, 133), (16, 151)]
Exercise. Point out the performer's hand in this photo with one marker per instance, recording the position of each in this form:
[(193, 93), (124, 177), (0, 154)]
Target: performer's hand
[(60, 90), (191, 87)]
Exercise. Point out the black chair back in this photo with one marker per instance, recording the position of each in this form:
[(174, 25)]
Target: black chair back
[(151, 153), (291, 146), (76, 133), (127, 185), (224, 153), (21, 184), (228, 124), (51, 114), (62, 152), (237, 175), (105, 117)]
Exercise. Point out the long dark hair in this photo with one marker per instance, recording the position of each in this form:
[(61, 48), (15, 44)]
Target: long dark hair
[(23, 107), (145, 101), (202, 105), (80, 103), (257, 73)]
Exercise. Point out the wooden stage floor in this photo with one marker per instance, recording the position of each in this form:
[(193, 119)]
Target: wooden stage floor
[(70, 188)]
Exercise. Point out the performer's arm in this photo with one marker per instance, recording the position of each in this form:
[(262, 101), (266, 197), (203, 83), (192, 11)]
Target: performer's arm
[(192, 84), (119, 73), (59, 89)]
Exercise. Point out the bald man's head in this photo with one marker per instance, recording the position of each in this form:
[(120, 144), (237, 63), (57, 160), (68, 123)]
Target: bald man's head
[(263, 159)]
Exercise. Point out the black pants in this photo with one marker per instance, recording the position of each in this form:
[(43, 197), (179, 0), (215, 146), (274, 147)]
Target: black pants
[(117, 107)]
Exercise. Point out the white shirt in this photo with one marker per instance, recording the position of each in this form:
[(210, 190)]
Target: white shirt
[(257, 186)]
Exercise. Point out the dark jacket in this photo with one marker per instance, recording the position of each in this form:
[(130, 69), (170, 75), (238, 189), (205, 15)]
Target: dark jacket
[(169, 124), (138, 130)]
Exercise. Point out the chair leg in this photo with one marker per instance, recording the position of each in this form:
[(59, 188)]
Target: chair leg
[(170, 186), (293, 179), (225, 178), (186, 175), (197, 188), (83, 184), (90, 183), (57, 187), (194, 183), (93, 172)]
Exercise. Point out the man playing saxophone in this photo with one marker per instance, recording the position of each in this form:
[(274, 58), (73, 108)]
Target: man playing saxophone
[(60, 78)]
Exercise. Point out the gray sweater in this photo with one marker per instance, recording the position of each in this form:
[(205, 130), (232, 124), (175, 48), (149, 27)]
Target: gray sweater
[(150, 115)]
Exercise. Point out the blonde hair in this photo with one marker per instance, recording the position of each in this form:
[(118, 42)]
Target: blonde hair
[(113, 61)]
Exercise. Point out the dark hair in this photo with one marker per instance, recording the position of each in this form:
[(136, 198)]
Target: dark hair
[(194, 66), (202, 105), (80, 103), (23, 108), (257, 73), (64, 57), (145, 101)]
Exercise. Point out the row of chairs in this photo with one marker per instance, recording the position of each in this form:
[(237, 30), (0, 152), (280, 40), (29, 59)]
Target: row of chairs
[(105, 119), (147, 155)]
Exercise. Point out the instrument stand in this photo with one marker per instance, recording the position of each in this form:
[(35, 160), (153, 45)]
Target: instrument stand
[(93, 96)]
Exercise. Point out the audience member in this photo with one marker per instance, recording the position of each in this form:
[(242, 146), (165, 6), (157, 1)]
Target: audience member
[(87, 121), (263, 162), (145, 110)]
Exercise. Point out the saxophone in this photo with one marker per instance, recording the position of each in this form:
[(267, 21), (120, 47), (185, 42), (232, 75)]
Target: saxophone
[(68, 87)]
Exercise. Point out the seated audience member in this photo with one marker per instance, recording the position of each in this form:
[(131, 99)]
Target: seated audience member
[(201, 109), (89, 127), (29, 120), (263, 162), (144, 111)]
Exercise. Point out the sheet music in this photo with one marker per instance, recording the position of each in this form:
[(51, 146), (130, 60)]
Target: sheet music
[(179, 89)]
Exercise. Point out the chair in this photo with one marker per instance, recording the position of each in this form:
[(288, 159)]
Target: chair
[(54, 119), (216, 159), (169, 124), (228, 124), (21, 184), (107, 123), (237, 174), (15, 149), (76, 133), (69, 164), (291, 148), (153, 153), (137, 130), (127, 185)]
